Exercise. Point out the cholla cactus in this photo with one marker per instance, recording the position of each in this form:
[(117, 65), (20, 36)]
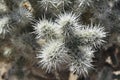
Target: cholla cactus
[(67, 22), (4, 25), (81, 62), (78, 41), (80, 67), (46, 29), (91, 35), (53, 55)]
